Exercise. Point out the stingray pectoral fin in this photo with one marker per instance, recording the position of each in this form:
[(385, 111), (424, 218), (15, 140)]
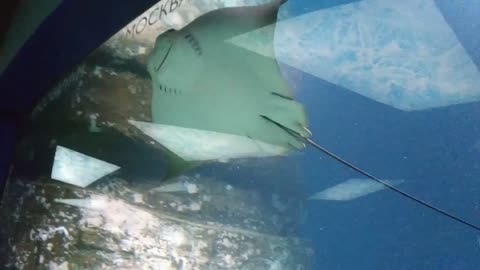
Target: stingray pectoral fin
[(175, 165), (285, 120), (169, 141), (280, 135), (289, 113)]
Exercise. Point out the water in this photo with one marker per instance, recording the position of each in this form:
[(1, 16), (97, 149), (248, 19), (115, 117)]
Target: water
[(386, 230), (431, 149), (395, 134)]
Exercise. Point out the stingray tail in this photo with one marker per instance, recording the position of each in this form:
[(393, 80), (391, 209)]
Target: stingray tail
[(374, 178)]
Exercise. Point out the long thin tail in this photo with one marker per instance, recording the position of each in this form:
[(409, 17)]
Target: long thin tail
[(386, 184), (374, 178)]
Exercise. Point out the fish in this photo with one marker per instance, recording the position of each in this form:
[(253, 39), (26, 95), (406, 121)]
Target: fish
[(352, 189)]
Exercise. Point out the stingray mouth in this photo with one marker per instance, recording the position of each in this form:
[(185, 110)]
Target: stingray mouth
[(157, 68)]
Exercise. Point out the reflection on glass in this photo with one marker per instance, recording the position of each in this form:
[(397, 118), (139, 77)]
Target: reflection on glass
[(79, 169), (401, 53)]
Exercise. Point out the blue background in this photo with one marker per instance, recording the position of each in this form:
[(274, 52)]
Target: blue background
[(430, 149)]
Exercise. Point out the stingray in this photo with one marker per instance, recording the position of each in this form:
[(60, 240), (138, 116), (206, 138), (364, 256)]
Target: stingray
[(213, 100)]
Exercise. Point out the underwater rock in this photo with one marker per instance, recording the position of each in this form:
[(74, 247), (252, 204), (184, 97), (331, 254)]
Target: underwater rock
[(179, 185), (78, 100), (103, 228), (351, 189)]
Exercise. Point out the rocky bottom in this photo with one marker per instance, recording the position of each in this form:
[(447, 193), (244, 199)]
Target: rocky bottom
[(191, 223)]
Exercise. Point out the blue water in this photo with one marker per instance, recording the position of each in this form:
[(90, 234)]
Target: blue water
[(430, 149)]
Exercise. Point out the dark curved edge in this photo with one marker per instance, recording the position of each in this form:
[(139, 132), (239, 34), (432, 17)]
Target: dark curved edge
[(7, 142), (70, 33), (60, 43)]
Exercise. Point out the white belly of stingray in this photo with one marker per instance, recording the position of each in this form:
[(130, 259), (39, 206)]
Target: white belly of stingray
[(196, 144)]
